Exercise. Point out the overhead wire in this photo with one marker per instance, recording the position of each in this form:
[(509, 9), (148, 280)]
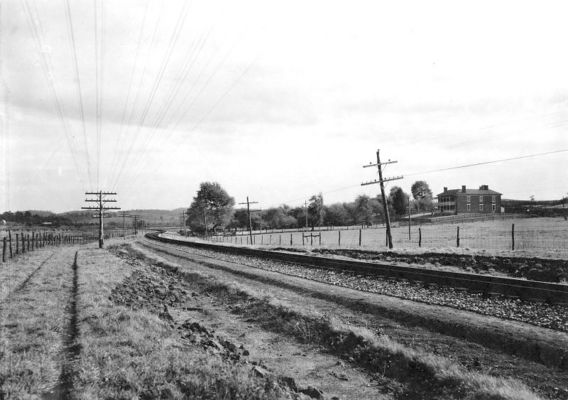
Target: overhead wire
[(130, 119), (121, 128), (189, 91), (487, 162), (97, 90), (188, 64), (156, 85), (215, 104), (78, 80), (47, 68)]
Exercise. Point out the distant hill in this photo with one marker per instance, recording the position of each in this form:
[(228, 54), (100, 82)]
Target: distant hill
[(151, 217)]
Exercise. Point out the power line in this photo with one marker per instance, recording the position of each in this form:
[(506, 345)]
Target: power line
[(36, 28), (77, 75), (488, 162), (130, 84)]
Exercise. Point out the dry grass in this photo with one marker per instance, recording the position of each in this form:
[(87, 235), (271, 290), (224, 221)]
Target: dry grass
[(133, 354), (15, 271), (33, 320), (419, 371)]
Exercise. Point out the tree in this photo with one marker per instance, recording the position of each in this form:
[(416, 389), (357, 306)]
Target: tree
[(278, 218), (363, 210), (422, 194), (399, 200), (299, 213), (316, 210), (336, 215), (211, 208)]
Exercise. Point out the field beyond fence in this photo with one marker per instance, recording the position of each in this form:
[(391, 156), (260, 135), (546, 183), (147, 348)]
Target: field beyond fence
[(538, 236)]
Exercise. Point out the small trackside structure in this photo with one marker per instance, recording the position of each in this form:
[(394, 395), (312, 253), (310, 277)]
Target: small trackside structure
[(469, 201)]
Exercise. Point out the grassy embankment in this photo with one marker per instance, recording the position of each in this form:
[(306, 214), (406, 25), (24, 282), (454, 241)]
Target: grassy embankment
[(128, 353)]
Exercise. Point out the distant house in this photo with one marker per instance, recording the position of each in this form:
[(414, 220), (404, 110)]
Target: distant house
[(469, 201)]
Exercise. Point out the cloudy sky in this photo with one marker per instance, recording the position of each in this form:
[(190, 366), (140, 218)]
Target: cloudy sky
[(278, 100)]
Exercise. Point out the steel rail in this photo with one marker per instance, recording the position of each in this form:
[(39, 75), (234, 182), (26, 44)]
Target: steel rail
[(552, 293)]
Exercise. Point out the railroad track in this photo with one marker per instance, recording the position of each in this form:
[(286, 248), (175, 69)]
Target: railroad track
[(552, 293)]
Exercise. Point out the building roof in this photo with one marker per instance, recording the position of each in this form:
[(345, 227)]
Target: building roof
[(468, 192)]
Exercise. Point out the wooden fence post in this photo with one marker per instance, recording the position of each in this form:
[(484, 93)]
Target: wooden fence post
[(28, 240), (23, 238), (280, 240), (360, 234), (319, 239), (302, 238), (290, 239), (4, 249), (513, 237), (17, 244), (33, 237), (419, 237), (338, 238), (10, 239), (311, 239), (458, 237)]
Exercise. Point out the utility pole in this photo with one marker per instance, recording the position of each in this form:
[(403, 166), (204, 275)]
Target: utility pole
[(101, 208), (248, 203), (381, 182), (136, 223), (124, 215)]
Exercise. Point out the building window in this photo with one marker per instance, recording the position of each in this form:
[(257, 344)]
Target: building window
[(469, 199), (468, 207), (481, 207), (480, 199), (493, 207), (493, 199)]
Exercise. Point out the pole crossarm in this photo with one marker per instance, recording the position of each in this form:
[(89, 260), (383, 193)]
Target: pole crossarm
[(395, 178), (100, 208), (376, 164)]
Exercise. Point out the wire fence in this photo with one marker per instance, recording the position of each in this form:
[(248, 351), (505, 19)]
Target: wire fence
[(541, 236), (15, 243)]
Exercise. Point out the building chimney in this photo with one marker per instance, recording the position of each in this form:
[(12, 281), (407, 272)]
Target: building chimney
[(445, 189), (463, 188), (484, 187)]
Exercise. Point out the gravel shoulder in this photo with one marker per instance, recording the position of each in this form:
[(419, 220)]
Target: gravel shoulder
[(404, 321)]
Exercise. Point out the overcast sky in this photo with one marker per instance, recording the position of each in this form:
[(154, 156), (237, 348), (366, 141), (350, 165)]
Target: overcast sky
[(278, 100)]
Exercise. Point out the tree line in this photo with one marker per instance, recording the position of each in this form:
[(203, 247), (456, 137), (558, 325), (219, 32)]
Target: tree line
[(29, 219), (213, 209)]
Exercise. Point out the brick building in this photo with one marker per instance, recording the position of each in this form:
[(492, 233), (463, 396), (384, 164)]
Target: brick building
[(469, 201)]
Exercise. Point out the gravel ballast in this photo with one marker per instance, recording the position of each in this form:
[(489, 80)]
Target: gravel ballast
[(540, 314)]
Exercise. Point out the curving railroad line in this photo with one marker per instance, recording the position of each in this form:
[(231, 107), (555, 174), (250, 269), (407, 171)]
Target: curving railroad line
[(552, 293)]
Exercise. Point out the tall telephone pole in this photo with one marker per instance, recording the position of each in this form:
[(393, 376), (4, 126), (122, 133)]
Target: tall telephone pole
[(136, 223), (306, 206), (124, 215), (248, 203), (381, 182), (101, 208)]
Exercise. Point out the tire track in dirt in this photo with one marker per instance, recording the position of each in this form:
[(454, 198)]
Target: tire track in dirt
[(71, 345)]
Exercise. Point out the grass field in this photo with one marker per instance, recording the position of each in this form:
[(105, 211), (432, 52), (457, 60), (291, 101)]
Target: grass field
[(532, 236)]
